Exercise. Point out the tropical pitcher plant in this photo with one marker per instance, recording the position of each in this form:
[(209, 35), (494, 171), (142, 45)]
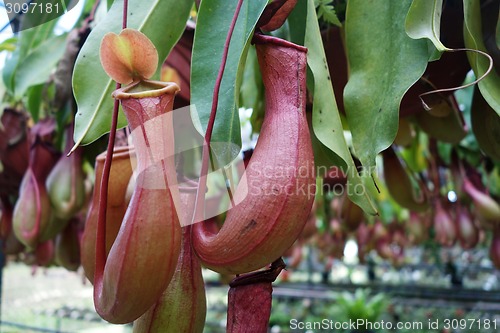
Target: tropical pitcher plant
[(150, 244), (142, 219)]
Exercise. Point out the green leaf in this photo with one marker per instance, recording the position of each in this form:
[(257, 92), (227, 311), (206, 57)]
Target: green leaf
[(3, 90), (486, 126), (326, 121), (34, 101), (28, 40), (416, 155), (297, 23), (424, 20), (88, 5), (327, 13), (163, 21), (384, 63), (38, 65), (449, 129), (252, 90), (9, 70), (9, 44), (473, 36), (464, 100), (213, 21)]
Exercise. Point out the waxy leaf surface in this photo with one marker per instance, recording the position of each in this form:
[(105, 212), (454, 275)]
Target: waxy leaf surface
[(326, 122), (39, 64), (424, 20), (473, 36), (384, 63), (214, 19)]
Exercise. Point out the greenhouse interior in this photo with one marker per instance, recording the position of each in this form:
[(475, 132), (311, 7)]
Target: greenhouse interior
[(249, 166)]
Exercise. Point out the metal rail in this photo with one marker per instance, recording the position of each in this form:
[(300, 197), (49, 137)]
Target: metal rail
[(27, 327), (467, 299)]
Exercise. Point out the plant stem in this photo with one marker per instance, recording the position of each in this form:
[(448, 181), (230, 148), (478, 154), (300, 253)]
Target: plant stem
[(202, 184), (218, 81), (91, 16), (250, 300), (100, 252)]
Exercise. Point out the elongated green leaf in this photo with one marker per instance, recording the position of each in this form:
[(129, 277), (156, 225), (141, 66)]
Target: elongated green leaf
[(424, 20), (486, 126), (327, 13), (326, 121), (39, 64), (34, 101), (297, 23), (163, 21), (214, 19), (87, 6), (9, 70), (252, 90), (447, 129), (384, 63), (28, 40), (3, 90), (473, 36)]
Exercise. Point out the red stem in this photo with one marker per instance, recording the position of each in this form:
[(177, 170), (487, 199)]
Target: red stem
[(100, 246), (94, 9), (100, 251), (91, 16), (202, 184), (250, 300), (124, 16)]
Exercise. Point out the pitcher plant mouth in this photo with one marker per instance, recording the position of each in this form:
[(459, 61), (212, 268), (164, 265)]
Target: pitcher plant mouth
[(145, 88)]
